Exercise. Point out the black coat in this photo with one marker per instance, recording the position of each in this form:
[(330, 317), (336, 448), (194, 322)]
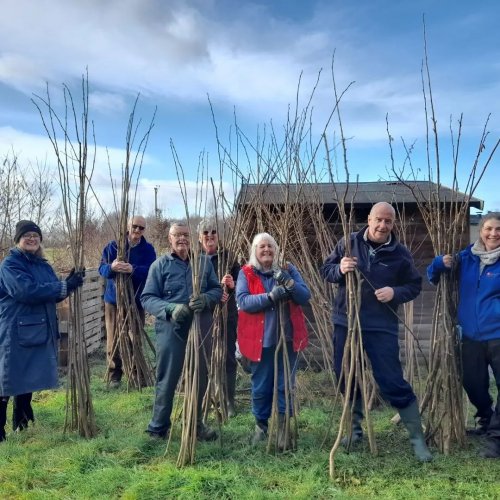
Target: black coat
[(389, 265)]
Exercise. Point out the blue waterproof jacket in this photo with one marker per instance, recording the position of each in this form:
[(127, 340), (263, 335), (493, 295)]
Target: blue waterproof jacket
[(29, 290), (141, 257), (170, 282), (389, 265), (479, 295)]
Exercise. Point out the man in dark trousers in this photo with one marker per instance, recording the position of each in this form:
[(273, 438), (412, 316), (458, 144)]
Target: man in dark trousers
[(141, 255), (169, 297), (389, 279)]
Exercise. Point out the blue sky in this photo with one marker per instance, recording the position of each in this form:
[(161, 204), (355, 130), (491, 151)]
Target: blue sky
[(248, 56)]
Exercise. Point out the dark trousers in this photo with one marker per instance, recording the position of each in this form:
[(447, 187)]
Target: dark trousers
[(170, 353), (382, 349), (263, 382), (113, 356), (231, 363), (477, 357)]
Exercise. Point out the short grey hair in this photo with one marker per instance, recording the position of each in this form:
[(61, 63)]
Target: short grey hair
[(252, 260), (206, 225), (132, 217), (178, 224)]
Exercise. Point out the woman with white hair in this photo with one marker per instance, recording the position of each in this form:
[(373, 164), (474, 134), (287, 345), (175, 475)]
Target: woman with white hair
[(260, 288)]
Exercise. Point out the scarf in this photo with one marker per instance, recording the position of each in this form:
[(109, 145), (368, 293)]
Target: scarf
[(487, 257)]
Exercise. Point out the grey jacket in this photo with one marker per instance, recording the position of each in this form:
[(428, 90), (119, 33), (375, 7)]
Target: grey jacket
[(170, 282)]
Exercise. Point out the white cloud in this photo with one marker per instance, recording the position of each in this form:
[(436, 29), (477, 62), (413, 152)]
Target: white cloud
[(249, 56), (107, 175), (106, 102)]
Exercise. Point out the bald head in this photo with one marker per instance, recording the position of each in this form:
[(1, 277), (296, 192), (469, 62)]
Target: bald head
[(380, 222), (383, 205)]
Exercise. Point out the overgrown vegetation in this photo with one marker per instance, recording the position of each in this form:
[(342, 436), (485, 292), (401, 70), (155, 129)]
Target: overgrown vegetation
[(124, 462)]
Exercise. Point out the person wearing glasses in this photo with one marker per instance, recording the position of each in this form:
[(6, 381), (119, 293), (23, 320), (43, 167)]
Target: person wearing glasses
[(168, 296), (209, 241), (29, 291), (140, 255)]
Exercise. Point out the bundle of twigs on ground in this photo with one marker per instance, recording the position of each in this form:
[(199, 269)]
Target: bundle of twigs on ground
[(355, 377), (75, 171), (190, 419), (129, 334), (231, 235), (446, 221), (282, 168)]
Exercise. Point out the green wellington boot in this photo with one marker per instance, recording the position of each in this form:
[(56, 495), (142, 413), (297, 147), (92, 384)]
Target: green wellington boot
[(410, 417)]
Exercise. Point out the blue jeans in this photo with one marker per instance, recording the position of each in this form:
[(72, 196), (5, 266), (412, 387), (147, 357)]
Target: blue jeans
[(382, 349), (263, 382)]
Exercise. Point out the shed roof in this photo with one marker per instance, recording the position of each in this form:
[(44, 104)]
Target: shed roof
[(364, 193)]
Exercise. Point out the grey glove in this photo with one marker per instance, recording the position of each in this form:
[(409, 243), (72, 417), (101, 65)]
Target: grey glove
[(284, 278), (278, 293), (179, 312), (198, 303)]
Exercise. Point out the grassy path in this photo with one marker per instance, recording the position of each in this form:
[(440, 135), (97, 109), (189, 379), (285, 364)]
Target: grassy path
[(123, 462)]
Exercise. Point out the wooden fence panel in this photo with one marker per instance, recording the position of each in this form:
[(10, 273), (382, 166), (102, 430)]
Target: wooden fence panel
[(93, 314)]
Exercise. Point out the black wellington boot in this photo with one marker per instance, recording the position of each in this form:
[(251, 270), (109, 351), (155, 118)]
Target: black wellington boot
[(357, 431), (3, 416), (22, 412), (231, 391)]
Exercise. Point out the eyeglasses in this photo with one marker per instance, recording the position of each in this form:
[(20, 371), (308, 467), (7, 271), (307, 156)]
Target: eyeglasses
[(31, 236), (177, 236), (212, 232), (135, 226)]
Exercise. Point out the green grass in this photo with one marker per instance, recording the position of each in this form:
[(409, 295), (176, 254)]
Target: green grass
[(123, 462)]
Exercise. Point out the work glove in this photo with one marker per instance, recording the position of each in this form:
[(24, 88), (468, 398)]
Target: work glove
[(178, 312), (73, 281), (73, 271), (284, 278), (278, 293), (198, 303)]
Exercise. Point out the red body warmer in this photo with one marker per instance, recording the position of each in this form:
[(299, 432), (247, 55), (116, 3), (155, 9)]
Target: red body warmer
[(251, 325)]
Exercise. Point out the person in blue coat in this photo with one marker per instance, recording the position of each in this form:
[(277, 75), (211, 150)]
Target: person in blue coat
[(140, 256), (168, 296), (389, 278), (29, 291), (478, 271)]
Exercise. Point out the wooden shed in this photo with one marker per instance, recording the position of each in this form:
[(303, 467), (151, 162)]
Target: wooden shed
[(359, 198)]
